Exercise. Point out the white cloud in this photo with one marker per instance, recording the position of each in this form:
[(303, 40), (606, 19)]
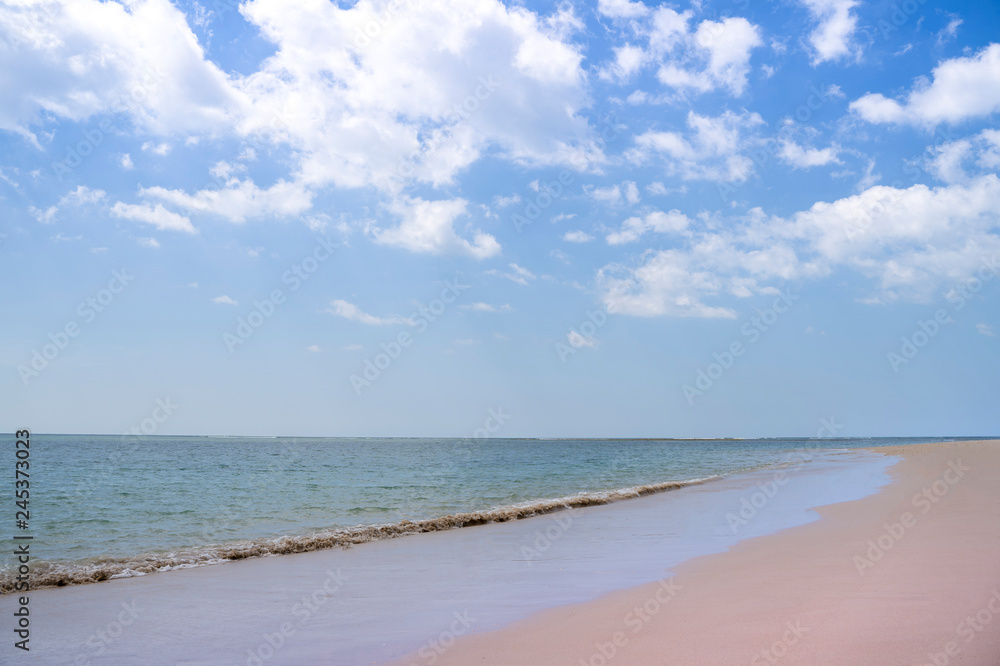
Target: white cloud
[(352, 312), (805, 158), (519, 274), (631, 192), (718, 56), (158, 216), (949, 32), (148, 242), (656, 221), (503, 202), (224, 300), (239, 200), (666, 284), (75, 60), (629, 59), (714, 55), (613, 194), (82, 196), (126, 162), (346, 102), (577, 237), (162, 149), (831, 40), (962, 88), (313, 349), (909, 243), (428, 226), (711, 150), (622, 8), (951, 162), (44, 216), (98, 250), (485, 307), (578, 341), (985, 329)]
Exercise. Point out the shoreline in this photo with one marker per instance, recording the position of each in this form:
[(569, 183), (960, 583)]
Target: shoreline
[(376, 602), (909, 574)]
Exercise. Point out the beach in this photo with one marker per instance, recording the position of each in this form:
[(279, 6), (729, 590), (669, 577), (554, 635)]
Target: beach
[(910, 575), (739, 569)]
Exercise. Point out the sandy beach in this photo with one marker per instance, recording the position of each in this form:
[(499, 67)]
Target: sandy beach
[(898, 565), (910, 575)]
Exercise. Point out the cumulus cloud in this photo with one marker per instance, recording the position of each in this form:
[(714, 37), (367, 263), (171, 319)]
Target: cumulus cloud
[(909, 243), (960, 89), (224, 300), (412, 102), (710, 150), (428, 227), (75, 60), (832, 37), (239, 200), (656, 221), (577, 237), (157, 215), (804, 158), (953, 161), (711, 55), (622, 8)]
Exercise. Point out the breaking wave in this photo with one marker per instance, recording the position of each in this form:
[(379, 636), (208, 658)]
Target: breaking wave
[(46, 574)]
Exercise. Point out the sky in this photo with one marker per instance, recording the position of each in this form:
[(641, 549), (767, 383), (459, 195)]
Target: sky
[(468, 218)]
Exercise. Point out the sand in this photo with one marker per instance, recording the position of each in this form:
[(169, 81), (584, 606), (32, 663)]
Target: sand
[(380, 601), (910, 575)]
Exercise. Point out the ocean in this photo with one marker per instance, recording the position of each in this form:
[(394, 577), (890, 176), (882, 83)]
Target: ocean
[(117, 506)]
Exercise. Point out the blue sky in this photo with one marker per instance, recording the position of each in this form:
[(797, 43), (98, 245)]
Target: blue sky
[(595, 219)]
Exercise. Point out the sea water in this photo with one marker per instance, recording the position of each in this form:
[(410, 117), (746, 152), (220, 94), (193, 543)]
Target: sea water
[(110, 506)]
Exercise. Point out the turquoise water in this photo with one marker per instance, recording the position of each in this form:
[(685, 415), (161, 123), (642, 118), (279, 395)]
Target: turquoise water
[(124, 505)]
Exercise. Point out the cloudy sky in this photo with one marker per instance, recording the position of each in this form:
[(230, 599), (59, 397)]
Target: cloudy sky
[(734, 218)]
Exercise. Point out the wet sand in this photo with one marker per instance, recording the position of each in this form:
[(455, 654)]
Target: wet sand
[(909, 575)]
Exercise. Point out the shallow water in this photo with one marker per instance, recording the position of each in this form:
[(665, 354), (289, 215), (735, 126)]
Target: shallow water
[(106, 506)]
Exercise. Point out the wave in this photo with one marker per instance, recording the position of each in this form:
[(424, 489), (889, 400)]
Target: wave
[(47, 574)]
